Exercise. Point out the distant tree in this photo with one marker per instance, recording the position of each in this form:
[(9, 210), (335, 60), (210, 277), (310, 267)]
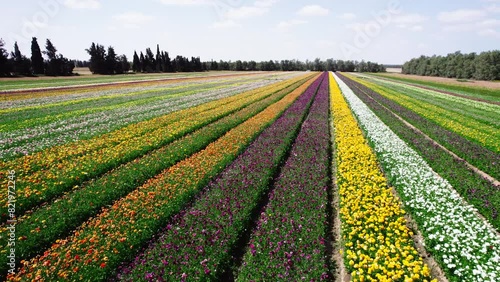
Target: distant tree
[(97, 59), (51, 51), (136, 63), (125, 64), (122, 65), (142, 60), (319, 65), (239, 66), (213, 65), (174, 66), (56, 64), (197, 65), (149, 61), (166, 62), (469, 66), (111, 61), (485, 66), (37, 64), (21, 64), (252, 66), (158, 60), (329, 65), (488, 66), (5, 68)]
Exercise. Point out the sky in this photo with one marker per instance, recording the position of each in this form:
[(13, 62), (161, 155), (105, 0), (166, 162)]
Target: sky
[(383, 31)]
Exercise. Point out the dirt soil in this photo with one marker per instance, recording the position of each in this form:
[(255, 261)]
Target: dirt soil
[(452, 81)]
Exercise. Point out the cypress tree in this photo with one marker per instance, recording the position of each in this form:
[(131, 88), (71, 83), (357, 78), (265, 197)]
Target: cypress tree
[(136, 64), (21, 63), (36, 58), (143, 63), (4, 60)]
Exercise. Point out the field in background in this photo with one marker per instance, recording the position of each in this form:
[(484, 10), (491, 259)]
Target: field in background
[(394, 70), (450, 81), (7, 84)]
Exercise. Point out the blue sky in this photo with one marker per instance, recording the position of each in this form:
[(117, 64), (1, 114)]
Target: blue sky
[(385, 31)]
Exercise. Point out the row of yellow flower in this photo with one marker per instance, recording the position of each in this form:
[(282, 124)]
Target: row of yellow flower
[(378, 244), (50, 173), (102, 243), (482, 133)]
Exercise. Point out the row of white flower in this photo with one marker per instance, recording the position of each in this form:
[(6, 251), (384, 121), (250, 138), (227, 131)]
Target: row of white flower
[(492, 108), (466, 246), (26, 141)]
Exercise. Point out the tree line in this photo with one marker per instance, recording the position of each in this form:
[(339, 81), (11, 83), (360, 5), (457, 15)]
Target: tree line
[(483, 66), (149, 62), (106, 61), (16, 63), (297, 65)]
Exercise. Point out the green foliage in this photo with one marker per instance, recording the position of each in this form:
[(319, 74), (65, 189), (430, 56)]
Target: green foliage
[(102, 62), (485, 66), (57, 64)]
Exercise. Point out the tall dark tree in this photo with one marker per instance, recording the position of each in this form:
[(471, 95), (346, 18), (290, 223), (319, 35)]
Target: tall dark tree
[(97, 58), (214, 65), (136, 63), (37, 64), (122, 65), (239, 66), (5, 68), (111, 61), (50, 50), (56, 64), (166, 62), (149, 61), (158, 65), (21, 64), (143, 62)]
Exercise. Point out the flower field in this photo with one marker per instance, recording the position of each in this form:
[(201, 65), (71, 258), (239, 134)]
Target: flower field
[(243, 178)]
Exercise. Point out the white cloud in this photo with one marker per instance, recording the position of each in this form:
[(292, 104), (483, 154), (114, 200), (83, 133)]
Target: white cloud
[(265, 3), (225, 24), (132, 19), (422, 46), (245, 12), (313, 11), (82, 4), (325, 44), (493, 8), (417, 28), (231, 16), (461, 16), (285, 25), (489, 33), (357, 26), (347, 16), (483, 28), (187, 2), (489, 23), (408, 19)]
